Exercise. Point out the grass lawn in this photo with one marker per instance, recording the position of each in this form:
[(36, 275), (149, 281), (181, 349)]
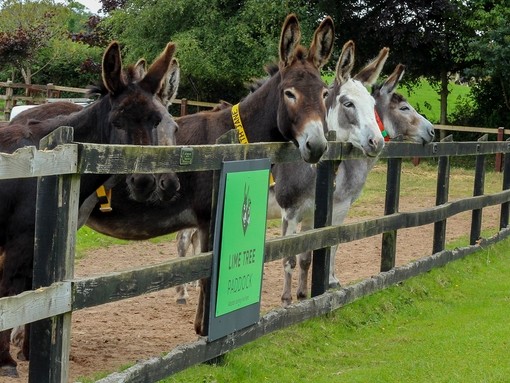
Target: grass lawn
[(449, 325), (425, 99)]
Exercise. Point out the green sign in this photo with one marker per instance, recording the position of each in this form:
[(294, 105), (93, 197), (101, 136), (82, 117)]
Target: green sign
[(239, 246)]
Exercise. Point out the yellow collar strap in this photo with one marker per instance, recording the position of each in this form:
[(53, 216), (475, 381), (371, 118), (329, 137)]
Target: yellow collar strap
[(236, 119), (104, 196)]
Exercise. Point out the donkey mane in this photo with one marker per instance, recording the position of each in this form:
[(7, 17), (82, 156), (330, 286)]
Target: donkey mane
[(129, 75), (395, 97)]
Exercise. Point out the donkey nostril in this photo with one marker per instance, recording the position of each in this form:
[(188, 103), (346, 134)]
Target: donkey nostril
[(372, 143), (432, 133)]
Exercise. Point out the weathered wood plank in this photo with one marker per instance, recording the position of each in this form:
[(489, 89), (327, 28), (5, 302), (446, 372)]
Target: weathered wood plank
[(121, 159), (182, 357), (33, 305), (111, 287), (98, 290), (30, 162), (55, 237)]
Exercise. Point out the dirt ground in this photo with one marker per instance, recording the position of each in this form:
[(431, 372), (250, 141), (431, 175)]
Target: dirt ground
[(107, 337)]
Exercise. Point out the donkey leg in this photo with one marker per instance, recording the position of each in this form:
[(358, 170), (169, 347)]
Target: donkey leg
[(24, 353), (16, 278), (183, 243), (199, 314), (305, 260), (334, 283), (7, 363), (289, 264), (289, 226), (203, 295)]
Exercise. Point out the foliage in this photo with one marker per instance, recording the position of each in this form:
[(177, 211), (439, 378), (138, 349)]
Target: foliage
[(33, 35), (71, 63), (491, 54), (429, 37), (221, 44)]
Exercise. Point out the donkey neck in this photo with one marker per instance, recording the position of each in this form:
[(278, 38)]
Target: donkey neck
[(259, 111), (91, 123)]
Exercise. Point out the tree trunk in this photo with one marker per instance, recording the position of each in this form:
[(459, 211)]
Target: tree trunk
[(27, 77), (443, 118)]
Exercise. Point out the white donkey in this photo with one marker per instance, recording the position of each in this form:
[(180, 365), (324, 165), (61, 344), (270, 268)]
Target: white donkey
[(351, 115)]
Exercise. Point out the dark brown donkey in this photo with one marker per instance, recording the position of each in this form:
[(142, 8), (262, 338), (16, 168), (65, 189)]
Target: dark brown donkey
[(290, 106), (128, 114)]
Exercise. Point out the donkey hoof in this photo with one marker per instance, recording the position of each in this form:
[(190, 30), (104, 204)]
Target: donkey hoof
[(181, 301), (286, 302), (21, 356), (9, 371), (301, 296), (334, 284)]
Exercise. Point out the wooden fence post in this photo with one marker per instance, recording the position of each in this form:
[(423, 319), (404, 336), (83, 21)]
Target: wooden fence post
[(499, 162), (55, 238), (184, 107), (478, 188), (323, 217), (503, 220), (9, 95), (389, 239), (442, 190)]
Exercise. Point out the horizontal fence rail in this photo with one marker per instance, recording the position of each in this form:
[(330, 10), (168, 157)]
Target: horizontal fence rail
[(64, 296)]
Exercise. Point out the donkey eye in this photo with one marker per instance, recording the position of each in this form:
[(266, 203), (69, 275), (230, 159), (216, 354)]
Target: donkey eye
[(404, 108), (348, 104), (325, 94), (290, 95)]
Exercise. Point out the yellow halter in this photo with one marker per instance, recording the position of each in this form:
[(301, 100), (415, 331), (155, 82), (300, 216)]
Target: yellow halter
[(238, 124)]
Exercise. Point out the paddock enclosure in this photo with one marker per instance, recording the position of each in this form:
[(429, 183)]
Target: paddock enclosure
[(51, 305)]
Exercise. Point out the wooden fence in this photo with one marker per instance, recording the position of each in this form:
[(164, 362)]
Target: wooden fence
[(58, 293), (41, 94)]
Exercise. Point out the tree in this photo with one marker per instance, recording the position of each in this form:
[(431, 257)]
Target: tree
[(35, 36), (429, 37), (490, 50), (221, 44)]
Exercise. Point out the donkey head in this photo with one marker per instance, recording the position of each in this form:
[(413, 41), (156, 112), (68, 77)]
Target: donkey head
[(134, 109), (155, 187), (302, 93), (400, 119), (351, 108)]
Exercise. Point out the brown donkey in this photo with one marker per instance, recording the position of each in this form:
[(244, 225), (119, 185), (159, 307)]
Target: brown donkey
[(127, 114), (290, 106)]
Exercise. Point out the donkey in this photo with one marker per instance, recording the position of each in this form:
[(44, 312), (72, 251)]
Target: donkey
[(349, 104), (296, 199), (289, 106), (142, 187), (128, 114), (294, 195)]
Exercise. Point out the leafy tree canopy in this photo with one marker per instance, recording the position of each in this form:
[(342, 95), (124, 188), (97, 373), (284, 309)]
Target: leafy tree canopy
[(36, 35), (221, 44)]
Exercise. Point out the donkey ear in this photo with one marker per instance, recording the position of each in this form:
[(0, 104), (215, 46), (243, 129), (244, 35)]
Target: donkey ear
[(370, 73), (392, 81), (289, 39), (170, 83), (322, 43), (140, 69), (345, 63), (112, 69), (152, 81)]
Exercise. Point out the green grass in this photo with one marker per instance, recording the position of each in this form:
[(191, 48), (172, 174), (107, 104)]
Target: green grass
[(425, 99), (449, 325)]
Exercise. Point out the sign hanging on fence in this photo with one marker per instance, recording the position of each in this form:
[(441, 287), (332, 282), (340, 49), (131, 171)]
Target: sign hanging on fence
[(238, 250)]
